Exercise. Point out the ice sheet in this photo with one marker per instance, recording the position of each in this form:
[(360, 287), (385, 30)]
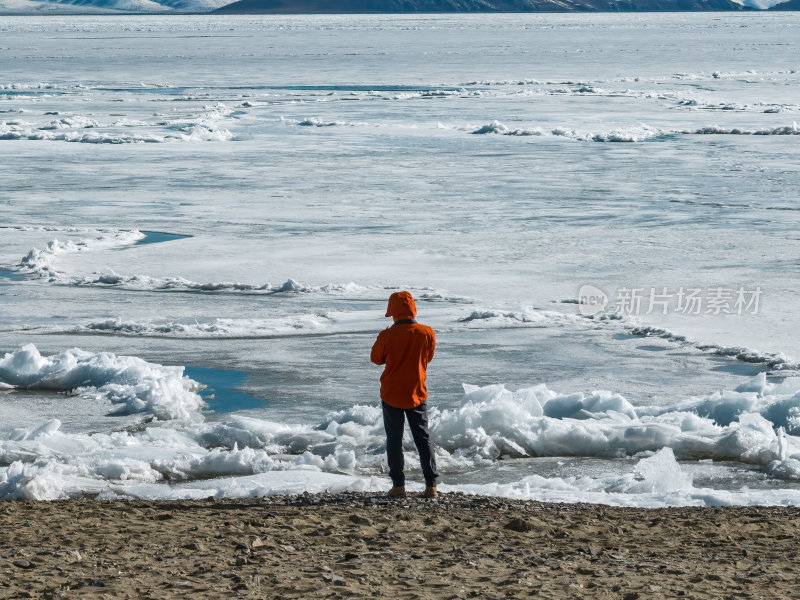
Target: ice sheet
[(301, 176)]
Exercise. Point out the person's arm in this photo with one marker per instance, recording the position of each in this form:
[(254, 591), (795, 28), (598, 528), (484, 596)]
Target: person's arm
[(431, 346), (378, 354)]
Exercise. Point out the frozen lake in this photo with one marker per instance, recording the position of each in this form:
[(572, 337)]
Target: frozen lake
[(240, 195)]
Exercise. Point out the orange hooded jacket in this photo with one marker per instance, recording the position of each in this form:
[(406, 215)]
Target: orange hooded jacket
[(405, 348)]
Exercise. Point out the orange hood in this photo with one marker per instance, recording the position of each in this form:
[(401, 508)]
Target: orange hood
[(401, 306)]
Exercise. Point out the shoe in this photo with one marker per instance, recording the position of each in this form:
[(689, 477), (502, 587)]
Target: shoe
[(397, 491), (430, 492)]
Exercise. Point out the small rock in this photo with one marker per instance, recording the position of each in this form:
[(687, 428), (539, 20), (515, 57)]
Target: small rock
[(194, 546), (97, 583), (631, 596), (592, 551), (359, 520), (257, 543), (164, 517), (23, 564), (334, 579), (519, 525)]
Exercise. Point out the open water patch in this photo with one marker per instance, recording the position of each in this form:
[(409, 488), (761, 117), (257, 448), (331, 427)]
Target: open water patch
[(7, 275), (221, 394), (163, 91), (745, 370), (358, 88), (158, 237)]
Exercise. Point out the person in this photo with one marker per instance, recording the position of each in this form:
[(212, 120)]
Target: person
[(405, 348)]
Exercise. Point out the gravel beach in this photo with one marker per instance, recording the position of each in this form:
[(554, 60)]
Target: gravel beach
[(365, 545)]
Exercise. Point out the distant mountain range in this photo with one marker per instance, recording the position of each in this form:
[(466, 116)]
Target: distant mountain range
[(94, 7), (40, 7), (450, 6)]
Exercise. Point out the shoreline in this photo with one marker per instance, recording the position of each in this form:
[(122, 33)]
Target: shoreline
[(364, 545)]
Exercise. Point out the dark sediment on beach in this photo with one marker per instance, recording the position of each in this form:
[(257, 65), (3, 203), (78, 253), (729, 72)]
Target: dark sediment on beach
[(367, 546)]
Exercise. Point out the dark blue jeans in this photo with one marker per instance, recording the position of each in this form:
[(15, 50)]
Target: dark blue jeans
[(394, 422)]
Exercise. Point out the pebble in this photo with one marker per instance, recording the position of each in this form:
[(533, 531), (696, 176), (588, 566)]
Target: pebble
[(359, 520), (519, 525), (23, 564), (194, 546)]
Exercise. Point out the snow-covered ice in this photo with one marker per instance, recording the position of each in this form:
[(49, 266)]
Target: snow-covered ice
[(243, 194), (491, 423)]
